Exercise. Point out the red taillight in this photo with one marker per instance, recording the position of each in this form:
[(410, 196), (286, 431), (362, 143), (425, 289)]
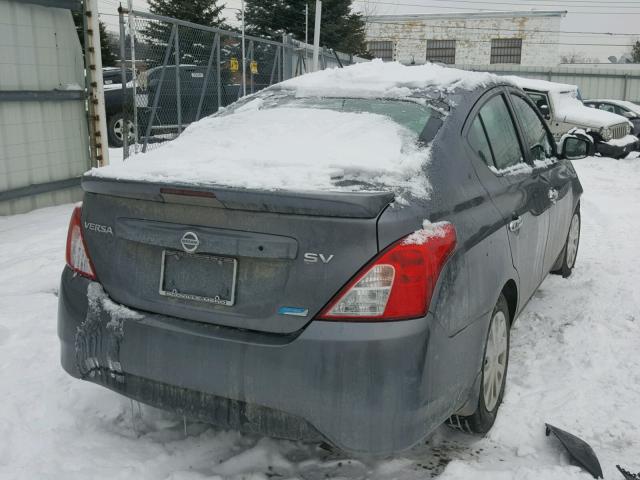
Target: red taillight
[(76, 254), (398, 283)]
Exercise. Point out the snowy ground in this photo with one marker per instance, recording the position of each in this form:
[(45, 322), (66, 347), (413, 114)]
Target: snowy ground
[(575, 363)]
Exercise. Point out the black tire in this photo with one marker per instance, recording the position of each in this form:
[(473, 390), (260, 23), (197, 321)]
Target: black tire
[(483, 418), (114, 129), (567, 260)]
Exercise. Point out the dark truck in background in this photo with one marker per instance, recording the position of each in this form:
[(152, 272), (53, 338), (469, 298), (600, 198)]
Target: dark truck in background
[(168, 117)]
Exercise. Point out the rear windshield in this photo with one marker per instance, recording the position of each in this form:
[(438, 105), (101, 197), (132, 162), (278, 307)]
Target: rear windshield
[(410, 114)]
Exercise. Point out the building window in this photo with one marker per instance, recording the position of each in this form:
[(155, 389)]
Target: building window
[(381, 49), (506, 50), (443, 51)]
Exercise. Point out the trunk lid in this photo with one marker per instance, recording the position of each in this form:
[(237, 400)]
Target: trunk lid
[(279, 256)]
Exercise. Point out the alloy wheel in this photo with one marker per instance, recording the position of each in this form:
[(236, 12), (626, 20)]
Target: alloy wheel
[(572, 240), (495, 360), (118, 129)]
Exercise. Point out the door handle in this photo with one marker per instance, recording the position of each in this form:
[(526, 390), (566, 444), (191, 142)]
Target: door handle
[(515, 224), (553, 195)]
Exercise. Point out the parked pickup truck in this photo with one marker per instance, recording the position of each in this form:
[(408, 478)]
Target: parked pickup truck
[(562, 107)]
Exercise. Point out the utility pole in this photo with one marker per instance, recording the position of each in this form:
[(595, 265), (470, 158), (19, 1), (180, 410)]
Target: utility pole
[(306, 23), (93, 64), (244, 67), (316, 35), (306, 30)]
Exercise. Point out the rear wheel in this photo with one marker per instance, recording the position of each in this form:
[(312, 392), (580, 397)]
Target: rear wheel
[(493, 375), (116, 129), (567, 259)]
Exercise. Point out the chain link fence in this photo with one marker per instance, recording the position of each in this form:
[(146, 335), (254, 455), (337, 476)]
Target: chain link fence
[(176, 72)]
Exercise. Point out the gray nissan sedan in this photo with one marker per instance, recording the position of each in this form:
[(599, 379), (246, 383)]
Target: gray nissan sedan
[(357, 315)]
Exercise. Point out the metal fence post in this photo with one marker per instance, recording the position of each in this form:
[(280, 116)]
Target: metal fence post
[(626, 82), (275, 67), (250, 63), (156, 97), (176, 39), (218, 80), (134, 79), (214, 47), (123, 72)]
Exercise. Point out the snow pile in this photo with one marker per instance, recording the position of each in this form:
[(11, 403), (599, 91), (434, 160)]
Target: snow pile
[(286, 148), (517, 169), (378, 79), (428, 230), (540, 85)]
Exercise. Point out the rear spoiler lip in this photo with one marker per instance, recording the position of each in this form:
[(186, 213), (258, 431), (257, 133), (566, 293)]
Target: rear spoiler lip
[(315, 203)]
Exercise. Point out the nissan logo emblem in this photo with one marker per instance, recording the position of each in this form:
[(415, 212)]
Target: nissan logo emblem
[(190, 242)]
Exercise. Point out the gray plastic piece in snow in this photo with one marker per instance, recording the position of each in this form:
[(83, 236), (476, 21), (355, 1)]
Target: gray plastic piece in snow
[(578, 449), (628, 475)]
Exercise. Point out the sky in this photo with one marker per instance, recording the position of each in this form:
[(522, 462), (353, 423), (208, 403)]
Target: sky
[(595, 19)]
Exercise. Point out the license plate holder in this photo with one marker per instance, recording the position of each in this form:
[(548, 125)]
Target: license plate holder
[(198, 277)]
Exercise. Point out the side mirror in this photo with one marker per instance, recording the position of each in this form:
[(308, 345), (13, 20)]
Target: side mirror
[(576, 147), (630, 115)]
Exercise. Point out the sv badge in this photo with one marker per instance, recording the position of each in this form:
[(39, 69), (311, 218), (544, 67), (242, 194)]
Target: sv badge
[(317, 257)]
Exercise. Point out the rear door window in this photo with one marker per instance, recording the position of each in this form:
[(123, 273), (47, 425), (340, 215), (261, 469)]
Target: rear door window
[(477, 138), (501, 133), (535, 134)]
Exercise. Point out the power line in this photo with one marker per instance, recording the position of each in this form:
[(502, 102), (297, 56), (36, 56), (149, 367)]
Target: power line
[(496, 29), (393, 38), (498, 2), (478, 9), (523, 2)]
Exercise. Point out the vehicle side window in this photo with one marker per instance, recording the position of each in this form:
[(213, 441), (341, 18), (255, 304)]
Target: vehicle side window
[(535, 135), (501, 133), (478, 140), (607, 108), (539, 99)]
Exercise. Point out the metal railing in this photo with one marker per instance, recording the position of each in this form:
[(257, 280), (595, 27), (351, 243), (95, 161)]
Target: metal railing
[(182, 72)]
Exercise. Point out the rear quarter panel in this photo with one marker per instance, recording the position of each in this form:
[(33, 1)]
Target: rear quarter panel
[(474, 275)]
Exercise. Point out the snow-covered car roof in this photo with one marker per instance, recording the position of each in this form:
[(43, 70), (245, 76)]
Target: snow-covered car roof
[(378, 79), (303, 145), (634, 107), (540, 85)]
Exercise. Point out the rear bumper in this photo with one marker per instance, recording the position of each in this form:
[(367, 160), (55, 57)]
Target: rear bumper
[(363, 387), (607, 150)]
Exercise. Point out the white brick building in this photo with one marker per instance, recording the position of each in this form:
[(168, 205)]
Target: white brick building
[(524, 38)]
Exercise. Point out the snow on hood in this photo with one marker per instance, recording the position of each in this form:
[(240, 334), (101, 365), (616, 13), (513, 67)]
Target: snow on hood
[(634, 107), (571, 110), (285, 148), (378, 79)]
